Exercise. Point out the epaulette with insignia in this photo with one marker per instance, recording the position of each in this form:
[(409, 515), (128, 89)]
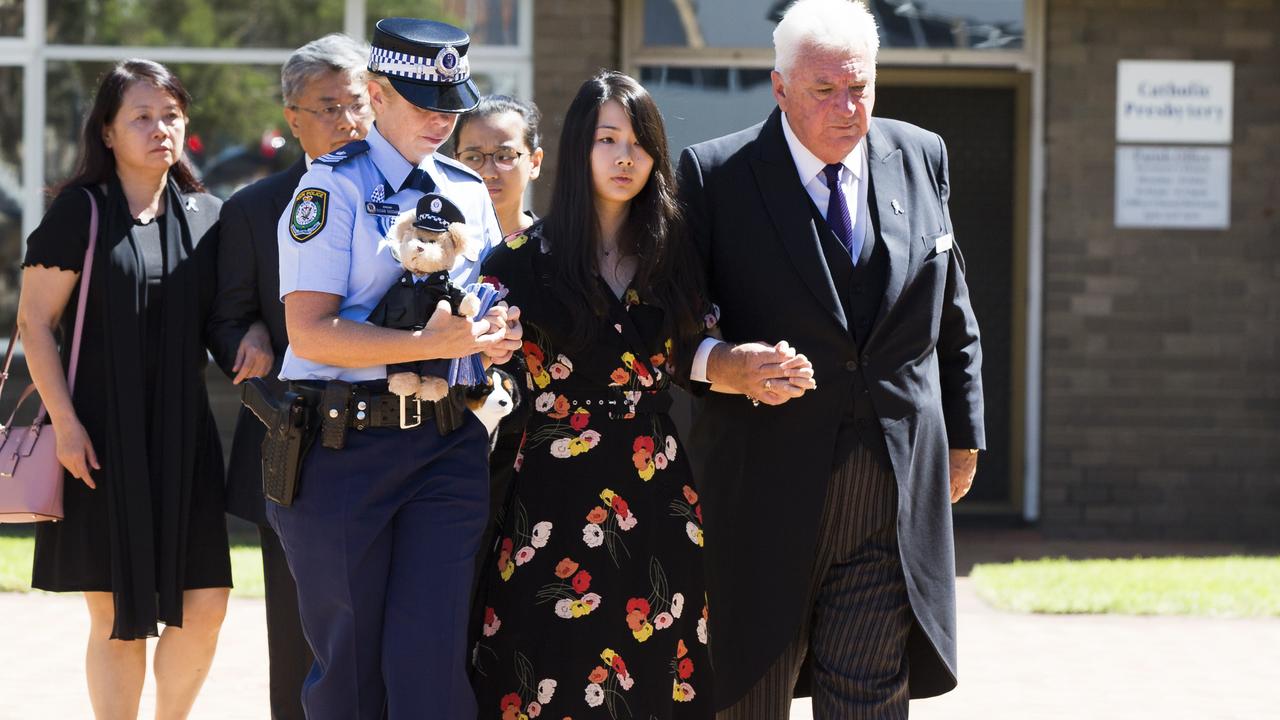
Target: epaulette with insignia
[(346, 152), (458, 166)]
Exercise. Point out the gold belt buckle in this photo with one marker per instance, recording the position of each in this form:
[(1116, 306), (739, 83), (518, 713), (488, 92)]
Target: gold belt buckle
[(404, 421)]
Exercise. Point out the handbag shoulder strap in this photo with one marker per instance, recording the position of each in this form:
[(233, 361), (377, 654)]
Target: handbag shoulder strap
[(84, 291), (85, 272)]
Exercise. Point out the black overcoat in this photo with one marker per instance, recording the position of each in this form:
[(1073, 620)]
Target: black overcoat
[(763, 470)]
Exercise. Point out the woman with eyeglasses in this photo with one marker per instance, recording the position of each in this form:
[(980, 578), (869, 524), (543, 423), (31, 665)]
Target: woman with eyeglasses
[(500, 141)]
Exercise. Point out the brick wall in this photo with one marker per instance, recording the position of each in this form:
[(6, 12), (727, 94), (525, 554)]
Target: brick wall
[(572, 40), (1162, 348)]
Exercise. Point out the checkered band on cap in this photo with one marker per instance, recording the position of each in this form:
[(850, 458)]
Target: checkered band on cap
[(452, 67)]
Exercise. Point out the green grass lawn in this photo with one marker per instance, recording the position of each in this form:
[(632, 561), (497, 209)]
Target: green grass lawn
[(15, 564), (1234, 586)]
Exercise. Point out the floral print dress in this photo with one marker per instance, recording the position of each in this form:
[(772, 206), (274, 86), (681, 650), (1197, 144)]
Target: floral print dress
[(593, 596)]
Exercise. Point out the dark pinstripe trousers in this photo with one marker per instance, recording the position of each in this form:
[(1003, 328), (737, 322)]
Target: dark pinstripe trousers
[(859, 616)]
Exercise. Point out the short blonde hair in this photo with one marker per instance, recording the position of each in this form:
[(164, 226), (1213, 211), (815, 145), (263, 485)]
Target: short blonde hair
[(827, 25)]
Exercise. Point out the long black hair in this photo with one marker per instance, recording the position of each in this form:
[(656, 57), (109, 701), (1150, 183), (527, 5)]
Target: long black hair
[(97, 163), (667, 274)]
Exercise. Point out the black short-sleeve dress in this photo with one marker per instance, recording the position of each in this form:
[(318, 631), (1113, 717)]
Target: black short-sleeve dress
[(158, 286), (593, 596)]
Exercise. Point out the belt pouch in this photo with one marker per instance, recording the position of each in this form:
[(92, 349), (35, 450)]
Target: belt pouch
[(450, 410), (335, 412)]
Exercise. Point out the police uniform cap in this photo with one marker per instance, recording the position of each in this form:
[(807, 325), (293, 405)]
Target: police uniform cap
[(436, 212), (426, 62)]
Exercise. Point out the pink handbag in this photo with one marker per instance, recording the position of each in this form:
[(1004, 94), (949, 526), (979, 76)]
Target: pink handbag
[(30, 474)]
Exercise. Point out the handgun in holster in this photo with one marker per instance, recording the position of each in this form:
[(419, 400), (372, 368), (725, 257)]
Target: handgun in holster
[(288, 419)]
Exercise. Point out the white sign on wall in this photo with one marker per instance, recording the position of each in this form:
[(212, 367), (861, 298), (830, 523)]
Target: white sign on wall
[(1173, 187), (1174, 101)]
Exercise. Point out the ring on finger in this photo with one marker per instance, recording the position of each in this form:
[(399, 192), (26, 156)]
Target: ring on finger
[(768, 384)]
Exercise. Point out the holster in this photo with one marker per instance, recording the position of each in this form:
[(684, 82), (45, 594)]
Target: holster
[(288, 420)]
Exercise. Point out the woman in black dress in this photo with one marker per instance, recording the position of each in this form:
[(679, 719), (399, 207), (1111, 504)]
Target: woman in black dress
[(594, 599), (144, 537)]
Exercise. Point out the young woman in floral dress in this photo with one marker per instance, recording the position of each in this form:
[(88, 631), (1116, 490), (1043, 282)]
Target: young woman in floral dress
[(594, 598)]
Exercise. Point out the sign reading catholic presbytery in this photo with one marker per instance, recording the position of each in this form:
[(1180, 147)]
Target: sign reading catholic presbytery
[(1174, 101), (1173, 186)]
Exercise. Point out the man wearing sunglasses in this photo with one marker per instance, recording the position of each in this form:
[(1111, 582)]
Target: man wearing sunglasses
[(326, 106)]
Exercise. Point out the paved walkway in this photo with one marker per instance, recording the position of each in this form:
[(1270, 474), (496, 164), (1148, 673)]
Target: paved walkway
[(1023, 667), (1013, 667)]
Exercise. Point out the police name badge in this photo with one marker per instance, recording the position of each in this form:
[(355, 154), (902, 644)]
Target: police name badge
[(377, 208), (310, 211)]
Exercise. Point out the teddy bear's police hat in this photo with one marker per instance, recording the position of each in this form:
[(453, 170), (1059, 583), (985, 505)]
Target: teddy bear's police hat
[(426, 62), (436, 213)]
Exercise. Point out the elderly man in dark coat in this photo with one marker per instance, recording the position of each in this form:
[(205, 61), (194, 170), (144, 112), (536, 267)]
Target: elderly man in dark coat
[(828, 511)]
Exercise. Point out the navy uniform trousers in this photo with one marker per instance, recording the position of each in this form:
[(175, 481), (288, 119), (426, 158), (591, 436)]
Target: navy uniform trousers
[(381, 541)]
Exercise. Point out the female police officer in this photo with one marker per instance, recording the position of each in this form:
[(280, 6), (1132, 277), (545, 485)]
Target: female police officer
[(391, 508)]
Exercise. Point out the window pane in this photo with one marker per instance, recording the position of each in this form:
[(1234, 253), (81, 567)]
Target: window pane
[(497, 83), (236, 135), (10, 192), (489, 22), (195, 23), (741, 97), (985, 24), (11, 17)]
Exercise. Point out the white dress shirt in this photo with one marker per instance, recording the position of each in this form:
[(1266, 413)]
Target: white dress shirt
[(810, 169)]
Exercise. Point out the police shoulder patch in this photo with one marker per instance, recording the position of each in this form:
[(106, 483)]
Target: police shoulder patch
[(346, 152), (309, 214)]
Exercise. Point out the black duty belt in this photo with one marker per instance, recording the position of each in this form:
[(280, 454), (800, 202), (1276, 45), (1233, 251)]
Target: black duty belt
[(369, 406)]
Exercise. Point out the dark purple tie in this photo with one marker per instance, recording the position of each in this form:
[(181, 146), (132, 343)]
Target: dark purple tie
[(838, 211)]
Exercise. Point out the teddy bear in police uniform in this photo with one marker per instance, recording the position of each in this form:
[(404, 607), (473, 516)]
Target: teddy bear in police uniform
[(426, 241)]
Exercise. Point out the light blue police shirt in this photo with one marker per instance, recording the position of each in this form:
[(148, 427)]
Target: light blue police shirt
[(352, 197)]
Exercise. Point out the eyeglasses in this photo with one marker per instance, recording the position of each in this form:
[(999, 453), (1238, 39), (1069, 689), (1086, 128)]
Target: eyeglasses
[(503, 159), (331, 113)]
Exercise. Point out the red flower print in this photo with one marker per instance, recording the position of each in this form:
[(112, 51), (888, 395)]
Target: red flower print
[(507, 545), (657, 360), (635, 620), (581, 581), (638, 605), (598, 675), (565, 568), (690, 495), (619, 376), (697, 512), (532, 351), (561, 408), (641, 459), (510, 700), (489, 615), (645, 443), (620, 506), (685, 668), (579, 420), (619, 666), (641, 373), (597, 515)]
